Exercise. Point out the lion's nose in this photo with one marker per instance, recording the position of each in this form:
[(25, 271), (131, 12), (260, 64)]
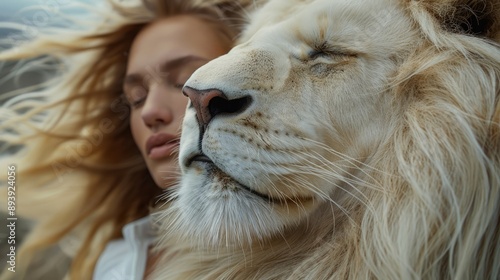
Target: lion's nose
[(212, 102)]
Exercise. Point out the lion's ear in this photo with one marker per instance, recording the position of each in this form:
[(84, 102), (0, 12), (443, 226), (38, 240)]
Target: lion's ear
[(475, 17)]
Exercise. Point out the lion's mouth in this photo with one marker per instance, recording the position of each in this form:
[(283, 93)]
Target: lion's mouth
[(199, 158), (211, 167)]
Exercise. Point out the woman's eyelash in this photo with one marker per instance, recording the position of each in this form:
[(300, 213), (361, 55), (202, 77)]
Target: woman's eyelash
[(139, 101), (136, 96), (134, 102)]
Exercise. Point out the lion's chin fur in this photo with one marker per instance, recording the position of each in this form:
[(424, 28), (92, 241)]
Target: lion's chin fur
[(426, 201)]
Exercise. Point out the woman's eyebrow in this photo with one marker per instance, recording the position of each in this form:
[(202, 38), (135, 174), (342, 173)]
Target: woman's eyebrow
[(132, 79), (164, 68), (179, 62)]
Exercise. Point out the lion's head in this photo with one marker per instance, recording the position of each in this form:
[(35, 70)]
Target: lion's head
[(356, 139)]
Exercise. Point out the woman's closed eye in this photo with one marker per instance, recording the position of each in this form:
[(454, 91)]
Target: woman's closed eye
[(178, 78), (136, 96), (179, 85)]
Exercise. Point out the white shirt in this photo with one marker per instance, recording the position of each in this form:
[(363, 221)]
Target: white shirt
[(125, 259)]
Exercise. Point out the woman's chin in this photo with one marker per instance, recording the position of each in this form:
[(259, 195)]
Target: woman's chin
[(165, 173)]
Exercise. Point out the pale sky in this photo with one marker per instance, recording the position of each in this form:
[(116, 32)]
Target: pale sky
[(14, 8), (37, 12)]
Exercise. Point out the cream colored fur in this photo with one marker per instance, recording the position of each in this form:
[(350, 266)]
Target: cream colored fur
[(373, 125)]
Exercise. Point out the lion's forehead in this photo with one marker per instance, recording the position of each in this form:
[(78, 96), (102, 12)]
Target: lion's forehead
[(360, 26), (276, 43)]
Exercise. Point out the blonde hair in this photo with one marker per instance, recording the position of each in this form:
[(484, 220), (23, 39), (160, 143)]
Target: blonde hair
[(80, 174)]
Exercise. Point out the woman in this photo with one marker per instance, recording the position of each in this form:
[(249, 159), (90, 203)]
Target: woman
[(99, 139)]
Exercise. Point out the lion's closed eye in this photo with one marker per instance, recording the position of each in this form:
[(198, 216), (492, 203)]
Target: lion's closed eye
[(326, 50)]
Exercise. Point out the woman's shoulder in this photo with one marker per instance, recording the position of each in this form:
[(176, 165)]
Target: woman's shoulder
[(126, 258)]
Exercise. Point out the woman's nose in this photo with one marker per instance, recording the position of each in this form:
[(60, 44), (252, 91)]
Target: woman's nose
[(156, 110)]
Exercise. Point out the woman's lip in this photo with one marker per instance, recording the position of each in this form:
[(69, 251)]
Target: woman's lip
[(161, 140), (164, 150)]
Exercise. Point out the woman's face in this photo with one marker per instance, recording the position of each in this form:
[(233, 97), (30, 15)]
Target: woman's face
[(162, 57)]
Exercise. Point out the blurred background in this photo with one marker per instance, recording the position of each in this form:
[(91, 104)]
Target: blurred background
[(20, 21), (19, 11)]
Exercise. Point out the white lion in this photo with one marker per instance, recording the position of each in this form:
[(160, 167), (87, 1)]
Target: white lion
[(344, 139)]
